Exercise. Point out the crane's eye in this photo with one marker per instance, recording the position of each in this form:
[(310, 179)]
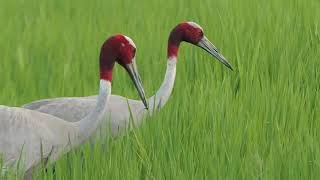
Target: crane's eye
[(201, 34)]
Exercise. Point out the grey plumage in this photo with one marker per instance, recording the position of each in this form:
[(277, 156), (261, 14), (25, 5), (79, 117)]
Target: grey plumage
[(118, 113)]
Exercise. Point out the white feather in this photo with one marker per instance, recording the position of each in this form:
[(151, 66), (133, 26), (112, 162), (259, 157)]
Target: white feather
[(195, 25)]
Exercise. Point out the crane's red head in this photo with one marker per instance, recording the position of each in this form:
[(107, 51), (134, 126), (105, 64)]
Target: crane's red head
[(192, 33), (187, 31), (118, 48), (121, 49)]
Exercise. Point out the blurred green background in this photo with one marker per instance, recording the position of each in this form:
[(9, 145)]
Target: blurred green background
[(260, 121)]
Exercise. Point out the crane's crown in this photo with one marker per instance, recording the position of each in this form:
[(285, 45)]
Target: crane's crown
[(120, 48), (187, 31)]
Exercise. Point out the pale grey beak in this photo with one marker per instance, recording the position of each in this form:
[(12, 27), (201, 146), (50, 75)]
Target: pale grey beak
[(134, 74), (210, 48)]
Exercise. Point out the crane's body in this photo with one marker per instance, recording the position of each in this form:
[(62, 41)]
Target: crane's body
[(33, 137), (29, 137), (72, 108)]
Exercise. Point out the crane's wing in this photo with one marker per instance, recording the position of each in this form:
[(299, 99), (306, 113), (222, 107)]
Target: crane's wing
[(35, 105), (120, 110), (68, 109)]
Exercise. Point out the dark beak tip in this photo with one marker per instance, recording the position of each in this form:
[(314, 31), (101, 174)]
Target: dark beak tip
[(211, 49), (147, 106)]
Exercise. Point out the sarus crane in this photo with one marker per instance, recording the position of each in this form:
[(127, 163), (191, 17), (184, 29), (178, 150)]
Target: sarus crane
[(29, 137)]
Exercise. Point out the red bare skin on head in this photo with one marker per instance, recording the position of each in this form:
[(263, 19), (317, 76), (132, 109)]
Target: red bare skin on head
[(115, 49), (183, 32)]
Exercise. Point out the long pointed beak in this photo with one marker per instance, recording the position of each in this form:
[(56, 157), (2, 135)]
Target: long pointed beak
[(210, 48), (135, 77)]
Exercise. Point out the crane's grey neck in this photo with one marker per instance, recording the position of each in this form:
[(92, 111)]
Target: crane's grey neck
[(157, 101), (89, 124)]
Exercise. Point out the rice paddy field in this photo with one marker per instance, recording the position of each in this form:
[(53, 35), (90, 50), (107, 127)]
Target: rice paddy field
[(260, 121)]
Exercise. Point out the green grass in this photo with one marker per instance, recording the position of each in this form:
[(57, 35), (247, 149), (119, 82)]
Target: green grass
[(259, 122)]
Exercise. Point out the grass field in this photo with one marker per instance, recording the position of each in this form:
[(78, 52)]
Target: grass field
[(260, 121)]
